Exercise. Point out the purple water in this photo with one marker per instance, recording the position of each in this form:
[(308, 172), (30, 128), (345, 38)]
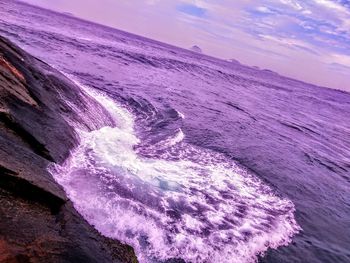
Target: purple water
[(209, 159)]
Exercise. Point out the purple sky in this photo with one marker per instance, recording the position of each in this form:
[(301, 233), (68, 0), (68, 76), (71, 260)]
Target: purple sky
[(306, 39)]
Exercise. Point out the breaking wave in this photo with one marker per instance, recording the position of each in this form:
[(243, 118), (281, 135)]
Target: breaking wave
[(200, 207)]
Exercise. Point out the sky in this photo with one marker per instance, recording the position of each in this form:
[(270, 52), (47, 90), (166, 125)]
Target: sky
[(304, 39)]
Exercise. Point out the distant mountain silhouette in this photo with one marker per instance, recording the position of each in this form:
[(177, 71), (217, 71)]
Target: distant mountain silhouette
[(196, 49), (234, 61)]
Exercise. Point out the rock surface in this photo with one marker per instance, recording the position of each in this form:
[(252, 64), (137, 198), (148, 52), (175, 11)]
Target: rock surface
[(38, 106)]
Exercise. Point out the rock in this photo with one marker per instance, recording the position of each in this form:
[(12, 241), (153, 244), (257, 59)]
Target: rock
[(38, 109)]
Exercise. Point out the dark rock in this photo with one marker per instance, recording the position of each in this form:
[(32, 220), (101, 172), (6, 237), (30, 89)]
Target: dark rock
[(37, 112)]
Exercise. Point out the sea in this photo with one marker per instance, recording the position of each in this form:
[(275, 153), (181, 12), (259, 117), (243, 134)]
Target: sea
[(210, 161)]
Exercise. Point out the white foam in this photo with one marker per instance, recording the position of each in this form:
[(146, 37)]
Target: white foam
[(182, 116), (178, 137), (202, 211)]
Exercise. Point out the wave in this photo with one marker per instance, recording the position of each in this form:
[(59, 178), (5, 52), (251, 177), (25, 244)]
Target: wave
[(200, 207), (182, 116)]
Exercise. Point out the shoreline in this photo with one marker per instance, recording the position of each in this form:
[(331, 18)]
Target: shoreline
[(38, 222)]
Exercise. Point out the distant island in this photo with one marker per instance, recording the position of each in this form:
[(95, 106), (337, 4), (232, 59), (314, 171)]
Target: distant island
[(196, 49), (68, 14), (232, 60)]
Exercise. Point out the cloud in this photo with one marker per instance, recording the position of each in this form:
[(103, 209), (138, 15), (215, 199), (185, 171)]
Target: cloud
[(192, 10)]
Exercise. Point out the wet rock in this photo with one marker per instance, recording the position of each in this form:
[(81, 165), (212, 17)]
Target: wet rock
[(38, 107)]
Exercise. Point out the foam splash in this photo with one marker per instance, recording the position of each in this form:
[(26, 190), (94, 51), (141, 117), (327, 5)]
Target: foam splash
[(182, 116), (202, 208), (177, 138)]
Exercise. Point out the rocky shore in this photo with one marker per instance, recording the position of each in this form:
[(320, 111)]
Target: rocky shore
[(38, 106)]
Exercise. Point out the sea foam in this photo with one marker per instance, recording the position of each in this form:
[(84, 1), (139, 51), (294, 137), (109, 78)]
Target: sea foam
[(201, 208)]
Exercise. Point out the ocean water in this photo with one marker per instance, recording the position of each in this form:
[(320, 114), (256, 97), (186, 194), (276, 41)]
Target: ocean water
[(210, 160)]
